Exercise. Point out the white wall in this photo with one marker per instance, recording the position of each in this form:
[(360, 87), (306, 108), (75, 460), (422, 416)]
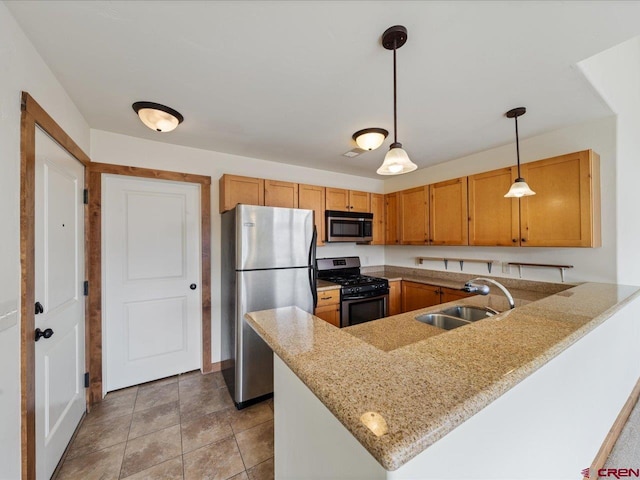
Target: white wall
[(593, 264), (21, 68), (107, 147), (615, 74)]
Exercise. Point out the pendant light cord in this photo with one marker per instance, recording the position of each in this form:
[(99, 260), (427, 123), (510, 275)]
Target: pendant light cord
[(395, 99), (517, 147)]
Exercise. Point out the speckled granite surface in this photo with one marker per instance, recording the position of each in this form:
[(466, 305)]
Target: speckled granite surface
[(323, 286), (424, 381)]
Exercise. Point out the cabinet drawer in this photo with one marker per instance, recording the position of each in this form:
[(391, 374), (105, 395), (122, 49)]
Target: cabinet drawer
[(328, 297)]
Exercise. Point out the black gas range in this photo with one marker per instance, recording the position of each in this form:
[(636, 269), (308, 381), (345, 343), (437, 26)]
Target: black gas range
[(362, 298)]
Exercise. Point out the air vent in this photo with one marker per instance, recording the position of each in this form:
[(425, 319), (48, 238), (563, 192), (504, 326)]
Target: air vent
[(353, 153)]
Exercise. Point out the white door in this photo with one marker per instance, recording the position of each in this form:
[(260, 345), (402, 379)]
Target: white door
[(59, 270), (151, 264)]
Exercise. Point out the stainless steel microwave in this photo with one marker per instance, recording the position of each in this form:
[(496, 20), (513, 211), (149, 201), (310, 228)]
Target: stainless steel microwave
[(349, 226)]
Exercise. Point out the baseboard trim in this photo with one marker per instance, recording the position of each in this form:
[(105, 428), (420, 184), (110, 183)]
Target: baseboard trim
[(614, 432)]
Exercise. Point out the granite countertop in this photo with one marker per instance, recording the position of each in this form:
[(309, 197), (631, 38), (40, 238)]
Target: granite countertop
[(422, 380), (323, 286)]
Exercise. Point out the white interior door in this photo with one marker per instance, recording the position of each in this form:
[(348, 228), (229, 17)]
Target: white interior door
[(151, 264), (59, 269)]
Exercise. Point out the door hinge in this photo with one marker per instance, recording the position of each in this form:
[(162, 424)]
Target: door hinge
[(85, 196), (86, 288), (86, 380)]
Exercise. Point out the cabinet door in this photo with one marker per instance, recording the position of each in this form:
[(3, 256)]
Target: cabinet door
[(418, 295), (451, 294), (493, 219), (392, 234), (414, 216), (395, 297), (337, 199), (565, 212), (448, 217), (312, 197), (280, 194), (235, 189), (359, 201), (377, 208), (330, 314)]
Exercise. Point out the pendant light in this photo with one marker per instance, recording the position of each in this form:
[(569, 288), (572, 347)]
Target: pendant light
[(519, 187), (370, 138), (158, 117), (396, 161)]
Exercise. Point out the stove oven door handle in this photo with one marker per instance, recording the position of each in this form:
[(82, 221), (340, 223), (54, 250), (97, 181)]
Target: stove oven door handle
[(312, 268)]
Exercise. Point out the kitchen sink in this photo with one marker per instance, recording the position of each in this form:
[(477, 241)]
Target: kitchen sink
[(439, 320), (469, 313)]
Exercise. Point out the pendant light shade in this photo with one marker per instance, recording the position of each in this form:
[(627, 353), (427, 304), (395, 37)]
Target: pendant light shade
[(158, 117), (370, 138), (519, 187), (396, 161)]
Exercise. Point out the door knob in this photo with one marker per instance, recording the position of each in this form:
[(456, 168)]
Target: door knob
[(193, 286), (46, 334), (39, 308)]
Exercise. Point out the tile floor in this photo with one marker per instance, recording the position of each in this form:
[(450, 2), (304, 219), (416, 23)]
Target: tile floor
[(179, 428)]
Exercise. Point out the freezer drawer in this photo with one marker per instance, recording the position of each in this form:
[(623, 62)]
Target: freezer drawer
[(263, 290)]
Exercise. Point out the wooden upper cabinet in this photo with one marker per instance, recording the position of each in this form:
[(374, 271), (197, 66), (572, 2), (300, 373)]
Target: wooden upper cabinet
[(392, 225), (312, 197), (337, 199), (414, 216), (359, 201), (235, 189), (280, 194), (377, 208), (565, 212), (448, 216), (493, 219), (348, 200)]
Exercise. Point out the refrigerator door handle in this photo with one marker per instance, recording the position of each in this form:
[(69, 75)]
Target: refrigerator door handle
[(312, 268)]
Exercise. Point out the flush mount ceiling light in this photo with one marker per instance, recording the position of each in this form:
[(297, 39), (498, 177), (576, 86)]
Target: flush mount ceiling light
[(370, 138), (396, 161), (158, 117), (519, 187)]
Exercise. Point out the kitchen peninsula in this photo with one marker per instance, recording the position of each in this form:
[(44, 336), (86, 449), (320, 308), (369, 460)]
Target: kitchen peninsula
[(524, 394)]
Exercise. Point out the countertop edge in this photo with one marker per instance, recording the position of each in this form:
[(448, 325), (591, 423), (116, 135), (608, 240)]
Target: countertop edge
[(395, 455)]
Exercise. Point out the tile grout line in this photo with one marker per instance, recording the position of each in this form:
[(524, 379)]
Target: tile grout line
[(180, 423), (124, 453)]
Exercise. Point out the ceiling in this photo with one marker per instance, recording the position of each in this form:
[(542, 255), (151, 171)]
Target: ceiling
[(290, 81)]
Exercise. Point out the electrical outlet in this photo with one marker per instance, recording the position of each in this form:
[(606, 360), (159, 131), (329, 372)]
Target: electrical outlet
[(506, 268)]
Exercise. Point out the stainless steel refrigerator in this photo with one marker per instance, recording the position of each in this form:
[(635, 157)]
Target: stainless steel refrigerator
[(268, 261)]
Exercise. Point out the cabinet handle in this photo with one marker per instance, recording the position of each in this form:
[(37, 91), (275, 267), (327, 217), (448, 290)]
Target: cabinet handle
[(325, 298), (514, 240), (523, 240)]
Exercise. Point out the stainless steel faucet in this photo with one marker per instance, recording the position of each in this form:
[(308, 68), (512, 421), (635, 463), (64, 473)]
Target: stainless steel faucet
[(472, 287)]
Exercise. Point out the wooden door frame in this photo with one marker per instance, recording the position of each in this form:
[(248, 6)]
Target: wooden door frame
[(94, 300), (34, 115)]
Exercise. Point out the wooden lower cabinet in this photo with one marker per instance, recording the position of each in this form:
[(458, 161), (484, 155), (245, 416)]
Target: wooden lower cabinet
[(328, 308), (452, 294), (395, 297), (419, 295)]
